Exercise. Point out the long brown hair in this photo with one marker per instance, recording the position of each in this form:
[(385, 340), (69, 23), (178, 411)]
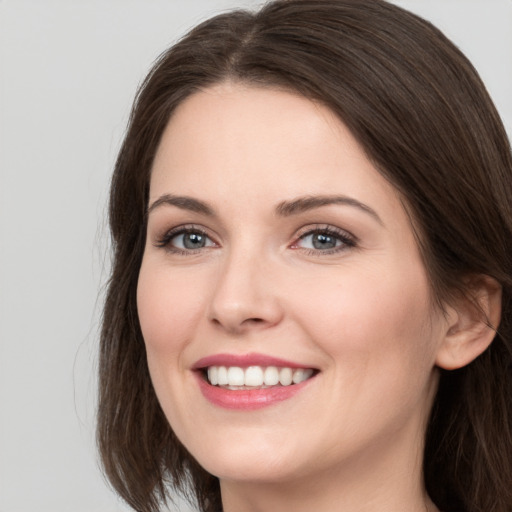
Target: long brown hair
[(424, 118)]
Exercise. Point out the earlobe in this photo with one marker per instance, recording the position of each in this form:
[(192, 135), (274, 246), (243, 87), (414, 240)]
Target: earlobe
[(472, 322)]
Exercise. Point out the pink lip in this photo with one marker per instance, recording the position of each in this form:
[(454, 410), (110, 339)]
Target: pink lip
[(244, 361), (247, 400)]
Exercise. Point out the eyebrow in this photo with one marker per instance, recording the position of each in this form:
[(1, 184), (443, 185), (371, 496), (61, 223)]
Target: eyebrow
[(283, 209), (303, 204), (183, 202)]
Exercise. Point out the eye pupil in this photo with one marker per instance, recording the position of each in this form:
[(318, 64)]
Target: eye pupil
[(193, 240), (323, 241)]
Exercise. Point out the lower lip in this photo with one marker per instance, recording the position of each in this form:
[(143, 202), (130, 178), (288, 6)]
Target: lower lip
[(250, 399)]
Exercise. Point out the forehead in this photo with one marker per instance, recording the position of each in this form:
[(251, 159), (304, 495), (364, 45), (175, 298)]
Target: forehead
[(232, 120), (265, 144)]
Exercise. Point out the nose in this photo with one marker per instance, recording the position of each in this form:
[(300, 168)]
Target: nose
[(245, 297)]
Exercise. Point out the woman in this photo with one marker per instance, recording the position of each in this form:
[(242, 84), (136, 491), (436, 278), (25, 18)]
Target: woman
[(310, 299)]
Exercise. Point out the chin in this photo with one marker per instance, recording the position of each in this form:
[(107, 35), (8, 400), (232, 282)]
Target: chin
[(249, 458), (252, 471)]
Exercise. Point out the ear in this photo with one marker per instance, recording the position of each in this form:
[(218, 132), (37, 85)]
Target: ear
[(472, 321)]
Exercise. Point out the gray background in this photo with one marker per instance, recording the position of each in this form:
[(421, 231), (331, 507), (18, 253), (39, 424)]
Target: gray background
[(68, 73)]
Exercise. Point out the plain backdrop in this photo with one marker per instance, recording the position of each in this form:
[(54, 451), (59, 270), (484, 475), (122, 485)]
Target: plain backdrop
[(68, 72)]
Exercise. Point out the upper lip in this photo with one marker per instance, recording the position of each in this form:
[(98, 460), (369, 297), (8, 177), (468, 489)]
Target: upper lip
[(245, 360)]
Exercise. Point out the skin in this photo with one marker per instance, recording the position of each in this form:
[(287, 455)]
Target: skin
[(362, 315)]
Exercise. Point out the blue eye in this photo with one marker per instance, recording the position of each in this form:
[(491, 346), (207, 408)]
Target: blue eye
[(320, 241), (327, 240), (185, 239), (190, 240)]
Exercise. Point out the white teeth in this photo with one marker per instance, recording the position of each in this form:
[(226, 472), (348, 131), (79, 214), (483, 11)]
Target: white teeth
[(253, 376), (213, 375), (285, 376), (301, 375), (271, 376), (235, 377), (222, 376)]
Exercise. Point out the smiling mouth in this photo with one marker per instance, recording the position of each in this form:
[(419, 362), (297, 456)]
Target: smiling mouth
[(255, 377)]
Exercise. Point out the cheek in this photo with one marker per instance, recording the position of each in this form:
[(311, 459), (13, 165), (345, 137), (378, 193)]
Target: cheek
[(169, 311), (376, 331), (169, 307), (370, 316)]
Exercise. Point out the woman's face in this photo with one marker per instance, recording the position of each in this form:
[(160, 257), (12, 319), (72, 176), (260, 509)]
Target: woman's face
[(276, 252)]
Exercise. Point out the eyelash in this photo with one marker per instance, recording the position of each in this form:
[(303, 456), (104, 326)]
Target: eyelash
[(347, 240), (165, 241)]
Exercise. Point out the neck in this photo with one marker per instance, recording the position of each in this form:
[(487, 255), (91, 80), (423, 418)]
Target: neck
[(331, 495)]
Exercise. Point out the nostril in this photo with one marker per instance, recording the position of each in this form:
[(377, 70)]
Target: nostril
[(253, 321)]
